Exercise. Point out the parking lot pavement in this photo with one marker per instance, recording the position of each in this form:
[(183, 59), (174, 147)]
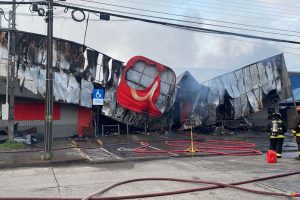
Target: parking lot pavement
[(119, 148), (79, 181)]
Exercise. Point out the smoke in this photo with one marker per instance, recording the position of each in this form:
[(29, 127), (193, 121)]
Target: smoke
[(207, 54)]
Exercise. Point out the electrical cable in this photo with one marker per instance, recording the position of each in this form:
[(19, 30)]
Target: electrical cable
[(229, 7), (222, 8), (266, 4), (209, 11), (192, 22), (185, 26), (86, 27), (3, 12), (177, 25), (208, 32), (144, 20), (63, 22), (76, 19), (249, 3), (22, 2), (56, 16), (259, 43), (292, 53), (233, 8), (179, 15), (251, 42)]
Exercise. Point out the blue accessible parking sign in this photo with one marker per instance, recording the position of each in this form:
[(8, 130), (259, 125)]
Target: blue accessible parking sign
[(98, 97)]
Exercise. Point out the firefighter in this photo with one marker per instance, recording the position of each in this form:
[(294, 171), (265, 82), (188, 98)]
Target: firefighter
[(296, 132), (276, 133)]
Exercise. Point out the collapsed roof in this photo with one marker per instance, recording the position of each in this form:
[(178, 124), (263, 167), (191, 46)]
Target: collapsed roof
[(243, 91), (74, 67), (144, 91)]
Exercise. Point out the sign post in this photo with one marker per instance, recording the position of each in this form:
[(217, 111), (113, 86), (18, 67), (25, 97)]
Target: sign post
[(98, 100)]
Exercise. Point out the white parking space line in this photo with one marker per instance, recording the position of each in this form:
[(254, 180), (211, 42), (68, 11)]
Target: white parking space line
[(174, 154), (110, 153)]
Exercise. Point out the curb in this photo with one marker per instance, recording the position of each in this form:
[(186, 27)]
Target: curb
[(86, 161), (42, 163), (91, 162)]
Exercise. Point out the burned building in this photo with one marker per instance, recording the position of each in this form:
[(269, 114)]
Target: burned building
[(133, 95), (231, 96), (186, 88), (142, 94), (74, 68), (247, 90)]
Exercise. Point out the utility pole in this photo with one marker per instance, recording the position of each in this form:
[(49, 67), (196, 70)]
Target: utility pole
[(11, 72), (8, 65), (48, 153)]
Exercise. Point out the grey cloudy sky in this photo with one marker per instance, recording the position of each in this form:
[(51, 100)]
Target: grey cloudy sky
[(204, 55)]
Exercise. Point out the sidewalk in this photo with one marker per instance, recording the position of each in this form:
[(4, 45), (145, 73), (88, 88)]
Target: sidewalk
[(120, 148)]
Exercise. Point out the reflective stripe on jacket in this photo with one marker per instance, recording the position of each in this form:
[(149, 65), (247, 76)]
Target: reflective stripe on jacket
[(277, 129), (296, 131), (277, 136)]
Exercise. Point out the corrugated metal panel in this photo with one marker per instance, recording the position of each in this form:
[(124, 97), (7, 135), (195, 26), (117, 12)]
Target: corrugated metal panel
[(257, 85)]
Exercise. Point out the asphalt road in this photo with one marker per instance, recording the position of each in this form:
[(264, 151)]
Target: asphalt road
[(81, 180)]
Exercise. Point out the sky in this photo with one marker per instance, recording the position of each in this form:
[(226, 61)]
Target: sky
[(205, 55)]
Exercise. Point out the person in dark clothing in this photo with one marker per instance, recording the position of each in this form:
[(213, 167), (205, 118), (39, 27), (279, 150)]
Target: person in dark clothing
[(296, 133), (276, 133)]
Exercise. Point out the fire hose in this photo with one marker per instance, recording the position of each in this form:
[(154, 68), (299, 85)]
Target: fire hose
[(216, 185), (211, 147)]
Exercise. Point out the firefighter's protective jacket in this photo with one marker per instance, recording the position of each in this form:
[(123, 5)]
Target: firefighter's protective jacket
[(296, 131), (277, 129)]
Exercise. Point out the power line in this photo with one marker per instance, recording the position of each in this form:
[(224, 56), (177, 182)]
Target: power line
[(258, 43), (186, 27), (252, 42), (180, 26), (291, 53), (218, 13), (206, 11), (192, 17), (276, 4), (251, 3), (197, 18), (205, 6), (58, 16), (232, 6), (199, 23)]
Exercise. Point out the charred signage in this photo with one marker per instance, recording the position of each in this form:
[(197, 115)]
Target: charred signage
[(145, 86), (145, 91)]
